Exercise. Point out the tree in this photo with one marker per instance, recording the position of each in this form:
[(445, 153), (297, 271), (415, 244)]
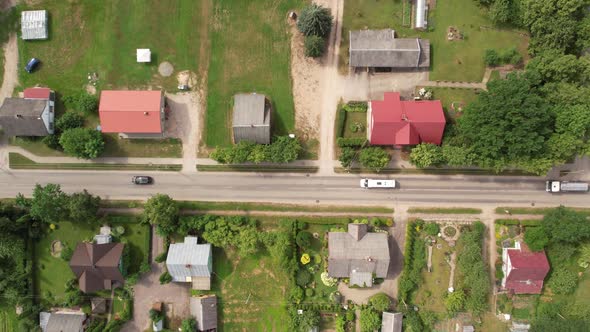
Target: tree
[(432, 228), (296, 294), (374, 158), (346, 156), (536, 238), (314, 46), (502, 11), (161, 210), (83, 207), (48, 203), (457, 155), (284, 149), (425, 155), (85, 143), (307, 320), (566, 225), (455, 301), (584, 260), (69, 120), (507, 124), (248, 242), (303, 277), (563, 281), (189, 324), (52, 141), (370, 320), (82, 102), (380, 302), (315, 20), (554, 66), (491, 58), (303, 239)]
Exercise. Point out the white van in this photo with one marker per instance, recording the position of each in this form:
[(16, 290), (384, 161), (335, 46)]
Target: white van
[(372, 183)]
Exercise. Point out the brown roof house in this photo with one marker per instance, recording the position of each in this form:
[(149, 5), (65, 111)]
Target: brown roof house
[(32, 115), (358, 255), (251, 118), (97, 266), (380, 49), (204, 309)]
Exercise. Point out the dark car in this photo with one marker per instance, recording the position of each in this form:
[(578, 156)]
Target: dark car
[(142, 179), (32, 64)]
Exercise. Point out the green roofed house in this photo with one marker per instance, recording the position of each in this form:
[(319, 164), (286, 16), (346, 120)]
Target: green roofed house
[(251, 118), (191, 262), (358, 255)]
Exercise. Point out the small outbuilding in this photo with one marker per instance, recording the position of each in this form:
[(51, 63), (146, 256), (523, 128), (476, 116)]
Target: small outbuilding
[(33, 24), (98, 305), (204, 309), (251, 118), (144, 55), (391, 322)]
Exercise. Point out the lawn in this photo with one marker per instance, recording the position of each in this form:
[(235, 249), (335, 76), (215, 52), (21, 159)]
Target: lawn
[(8, 319), (460, 60), (53, 272), (250, 52), (433, 288), (448, 96), (251, 292), (355, 121), (319, 248)]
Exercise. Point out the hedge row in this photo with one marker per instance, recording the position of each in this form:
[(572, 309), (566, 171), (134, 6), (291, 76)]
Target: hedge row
[(351, 142), (322, 307), (340, 120), (516, 222), (356, 106)]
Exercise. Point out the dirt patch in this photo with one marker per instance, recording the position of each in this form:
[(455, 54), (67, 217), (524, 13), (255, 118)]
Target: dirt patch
[(10, 80), (165, 69), (186, 77), (91, 89), (306, 73), (56, 248)]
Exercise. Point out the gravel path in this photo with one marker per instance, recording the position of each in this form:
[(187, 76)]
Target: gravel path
[(183, 123), (10, 79)]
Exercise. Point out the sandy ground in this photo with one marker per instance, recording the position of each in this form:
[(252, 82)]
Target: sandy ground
[(10, 79), (183, 123)]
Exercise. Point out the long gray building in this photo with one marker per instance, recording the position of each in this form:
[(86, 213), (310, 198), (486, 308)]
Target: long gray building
[(358, 254), (251, 118), (29, 116), (380, 49)]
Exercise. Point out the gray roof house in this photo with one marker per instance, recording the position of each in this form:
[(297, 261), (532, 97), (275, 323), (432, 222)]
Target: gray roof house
[(358, 254), (204, 309), (251, 118), (380, 49), (391, 322), (32, 115), (191, 262), (62, 321), (33, 24)]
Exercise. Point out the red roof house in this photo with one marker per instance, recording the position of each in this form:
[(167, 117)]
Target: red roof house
[(37, 93), (132, 113), (393, 121), (524, 270)]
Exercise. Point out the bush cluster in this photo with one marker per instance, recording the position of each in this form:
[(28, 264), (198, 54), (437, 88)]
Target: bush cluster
[(283, 150), (510, 56)]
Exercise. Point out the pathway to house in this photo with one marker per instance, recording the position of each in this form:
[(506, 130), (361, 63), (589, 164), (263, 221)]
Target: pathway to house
[(149, 291), (10, 79), (183, 123)]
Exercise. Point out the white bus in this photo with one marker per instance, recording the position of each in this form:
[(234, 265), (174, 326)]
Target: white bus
[(375, 183)]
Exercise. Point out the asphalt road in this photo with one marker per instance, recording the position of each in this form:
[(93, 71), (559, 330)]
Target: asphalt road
[(299, 188)]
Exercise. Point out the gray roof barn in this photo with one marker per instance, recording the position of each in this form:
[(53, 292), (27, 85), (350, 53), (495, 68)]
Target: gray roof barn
[(188, 260), (357, 254), (62, 322), (251, 118), (380, 49), (33, 24), (204, 309), (26, 117), (391, 322)]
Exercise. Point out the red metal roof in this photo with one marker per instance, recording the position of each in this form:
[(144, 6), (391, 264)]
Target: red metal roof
[(397, 122), (37, 93), (528, 270), (130, 111)]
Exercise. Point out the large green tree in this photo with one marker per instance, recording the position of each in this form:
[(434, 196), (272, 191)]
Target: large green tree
[(85, 143), (554, 66), (315, 20), (536, 238), (380, 302), (161, 210), (374, 158), (370, 320), (83, 207), (506, 124), (426, 155), (48, 203), (566, 225)]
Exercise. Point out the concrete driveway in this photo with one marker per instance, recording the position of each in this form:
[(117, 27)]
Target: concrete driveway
[(183, 123)]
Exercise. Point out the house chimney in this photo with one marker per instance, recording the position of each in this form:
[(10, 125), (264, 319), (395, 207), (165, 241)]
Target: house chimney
[(146, 113), (404, 117), (188, 266), (18, 116)]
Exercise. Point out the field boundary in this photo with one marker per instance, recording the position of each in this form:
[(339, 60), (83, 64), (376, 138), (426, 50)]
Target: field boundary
[(451, 210), (433, 171), (257, 168)]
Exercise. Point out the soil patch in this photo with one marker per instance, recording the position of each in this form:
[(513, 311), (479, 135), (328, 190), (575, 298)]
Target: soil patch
[(165, 69)]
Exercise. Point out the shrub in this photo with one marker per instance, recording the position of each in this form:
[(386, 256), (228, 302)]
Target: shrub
[(350, 315), (66, 253), (425, 155), (314, 46), (491, 58), (52, 142), (370, 320), (69, 120), (340, 324), (189, 324), (155, 315), (380, 302), (374, 158), (296, 294), (315, 20), (303, 277), (161, 257), (340, 119), (83, 143), (432, 228), (356, 106), (303, 239), (165, 278), (536, 238), (327, 280), (309, 292), (336, 297), (346, 157), (563, 281), (455, 301), (351, 142), (305, 259), (82, 102)]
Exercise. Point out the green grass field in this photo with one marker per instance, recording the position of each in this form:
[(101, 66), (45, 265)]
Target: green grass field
[(433, 288), (250, 52), (53, 272), (460, 60), (353, 118), (8, 319), (252, 279), (448, 96)]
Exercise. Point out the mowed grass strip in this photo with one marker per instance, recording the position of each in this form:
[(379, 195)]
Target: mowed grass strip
[(250, 52), (102, 36), (459, 60), (534, 210), (18, 161), (451, 210)]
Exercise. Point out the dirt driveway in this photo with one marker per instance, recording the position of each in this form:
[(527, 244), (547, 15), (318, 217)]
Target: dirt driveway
[(148, 290), (184, 123), (10, 79)]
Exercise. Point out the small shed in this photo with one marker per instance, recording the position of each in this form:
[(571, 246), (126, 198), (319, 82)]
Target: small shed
[(98, 305), (251, 118), (144, 55), (33, 24)]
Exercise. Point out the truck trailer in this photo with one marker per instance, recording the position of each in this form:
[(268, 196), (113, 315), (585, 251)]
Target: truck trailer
[(565, 186)]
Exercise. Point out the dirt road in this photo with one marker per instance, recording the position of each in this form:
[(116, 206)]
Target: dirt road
[(183, 123), (10, 79)]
